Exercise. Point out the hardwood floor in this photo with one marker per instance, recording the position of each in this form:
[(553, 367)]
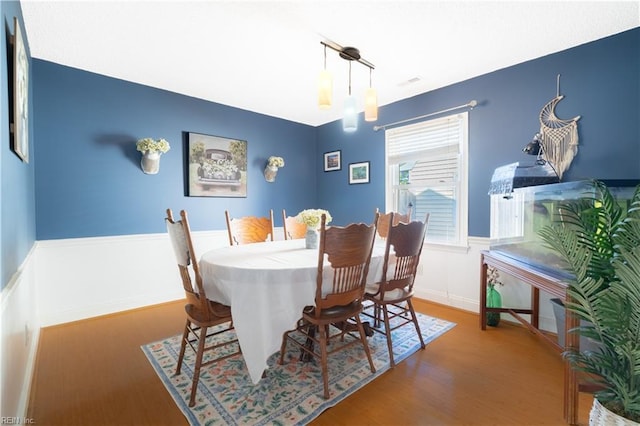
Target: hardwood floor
[(94, 373)]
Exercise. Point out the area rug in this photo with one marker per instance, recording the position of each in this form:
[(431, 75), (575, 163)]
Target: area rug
[(289, 394)]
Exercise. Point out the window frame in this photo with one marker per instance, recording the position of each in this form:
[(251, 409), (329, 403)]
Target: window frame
[(461, 184)]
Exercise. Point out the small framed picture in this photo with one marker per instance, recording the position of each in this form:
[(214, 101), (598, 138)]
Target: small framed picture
[(332, 161), (359, 172)]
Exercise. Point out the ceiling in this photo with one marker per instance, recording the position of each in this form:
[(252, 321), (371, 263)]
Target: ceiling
[(265, 56)]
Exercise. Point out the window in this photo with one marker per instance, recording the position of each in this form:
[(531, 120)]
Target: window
[(427, 170)]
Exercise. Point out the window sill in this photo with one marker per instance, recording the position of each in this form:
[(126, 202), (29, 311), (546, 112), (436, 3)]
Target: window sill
[(447, 247)]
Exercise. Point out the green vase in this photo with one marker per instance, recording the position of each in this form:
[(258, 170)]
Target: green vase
[(494, 300)]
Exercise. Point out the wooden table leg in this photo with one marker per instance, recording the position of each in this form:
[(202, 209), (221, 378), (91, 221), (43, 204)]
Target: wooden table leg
[(483, 293), (535, 307)]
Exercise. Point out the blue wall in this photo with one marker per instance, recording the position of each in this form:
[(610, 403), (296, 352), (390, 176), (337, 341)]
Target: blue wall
[(17, 194), (600, 82), (84, 177), (88, 177)]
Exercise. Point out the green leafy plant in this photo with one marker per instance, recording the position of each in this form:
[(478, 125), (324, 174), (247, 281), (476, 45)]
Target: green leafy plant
[(600, 242)]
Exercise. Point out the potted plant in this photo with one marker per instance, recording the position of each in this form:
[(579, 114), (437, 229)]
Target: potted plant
[(151, 150), (600, 241), (312, 218)]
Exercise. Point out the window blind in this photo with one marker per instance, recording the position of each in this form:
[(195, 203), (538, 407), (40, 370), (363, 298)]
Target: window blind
[(425, 163)]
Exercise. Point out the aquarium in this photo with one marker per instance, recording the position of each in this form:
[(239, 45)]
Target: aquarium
[(517, 217)]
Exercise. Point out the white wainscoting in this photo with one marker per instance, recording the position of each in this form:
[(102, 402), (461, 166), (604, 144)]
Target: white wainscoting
[(74, 279), (87, 277), (19, 340)]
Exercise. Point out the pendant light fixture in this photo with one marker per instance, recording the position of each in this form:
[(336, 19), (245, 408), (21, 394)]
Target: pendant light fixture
[(370, 102), (325, 85), (350, 118)]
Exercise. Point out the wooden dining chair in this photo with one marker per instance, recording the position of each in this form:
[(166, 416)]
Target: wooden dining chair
[(293, 229), (339, 299), (249, 229), (202, 314), (391, 296), (385, 221)]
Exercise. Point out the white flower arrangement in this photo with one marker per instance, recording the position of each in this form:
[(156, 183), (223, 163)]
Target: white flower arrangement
[(312, 217), (275, 161), (153, 145), (219, 169), (493, 277)]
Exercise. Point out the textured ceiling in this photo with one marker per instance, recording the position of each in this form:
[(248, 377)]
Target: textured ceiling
[(265, 56)]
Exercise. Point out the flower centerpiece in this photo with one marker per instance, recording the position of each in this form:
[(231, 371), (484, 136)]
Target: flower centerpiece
[(273, 163), (312, 218), (151, 150)]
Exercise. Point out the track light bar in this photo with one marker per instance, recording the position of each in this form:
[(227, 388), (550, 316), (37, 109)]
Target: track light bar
[(348, 53)]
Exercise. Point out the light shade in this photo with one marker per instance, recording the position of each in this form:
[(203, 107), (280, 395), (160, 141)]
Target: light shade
[(350, 117), (371, 105), (325, 89)]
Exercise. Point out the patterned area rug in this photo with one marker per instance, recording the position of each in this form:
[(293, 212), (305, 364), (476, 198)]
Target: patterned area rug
[(291, 393)]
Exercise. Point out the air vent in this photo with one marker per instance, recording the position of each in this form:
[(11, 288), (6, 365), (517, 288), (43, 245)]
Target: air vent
[(412, 80)]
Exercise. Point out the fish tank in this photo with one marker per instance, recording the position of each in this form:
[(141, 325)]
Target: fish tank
[(517, 217)]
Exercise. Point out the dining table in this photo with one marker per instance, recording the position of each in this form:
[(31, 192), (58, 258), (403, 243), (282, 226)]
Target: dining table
[(267, 285)]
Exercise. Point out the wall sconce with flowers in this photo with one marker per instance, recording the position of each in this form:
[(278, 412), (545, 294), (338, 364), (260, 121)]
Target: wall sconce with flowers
[(151, 150), (271, 170)]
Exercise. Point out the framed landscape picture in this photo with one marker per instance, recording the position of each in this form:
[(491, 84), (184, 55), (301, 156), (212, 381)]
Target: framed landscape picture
[(217, 166), (20, 124), (359, 172), (332, 161)]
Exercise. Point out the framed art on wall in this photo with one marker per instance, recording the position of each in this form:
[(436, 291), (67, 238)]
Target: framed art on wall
[(20, 124), (359, 172), (217, 166), (332, 161)]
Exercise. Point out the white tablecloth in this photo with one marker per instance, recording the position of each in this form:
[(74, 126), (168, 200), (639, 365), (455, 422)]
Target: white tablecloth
[(267, 286)]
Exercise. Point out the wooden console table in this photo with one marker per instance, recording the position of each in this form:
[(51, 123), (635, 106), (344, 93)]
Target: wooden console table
[(538, 280)]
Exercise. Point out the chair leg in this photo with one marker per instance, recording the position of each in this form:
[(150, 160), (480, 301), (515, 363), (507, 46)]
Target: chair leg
[(183, 345), (363, 339), (285, 336), (196, 370), (376, 314), (387, 332), (324, 361), (415, 322)]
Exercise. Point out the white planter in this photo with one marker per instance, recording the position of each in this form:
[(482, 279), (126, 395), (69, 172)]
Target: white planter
[(270, 173), (600, 416), (150, 162), (311, 238)]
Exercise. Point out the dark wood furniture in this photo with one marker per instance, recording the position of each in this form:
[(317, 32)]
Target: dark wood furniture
[(249, 229), (391, 296), (338, 300), (538, 280), (385, 221), (292, 228), (202, 314)]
